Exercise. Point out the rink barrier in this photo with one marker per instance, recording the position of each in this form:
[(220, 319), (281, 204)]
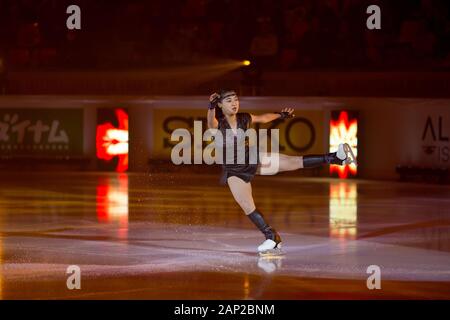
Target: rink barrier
[(391, 131)]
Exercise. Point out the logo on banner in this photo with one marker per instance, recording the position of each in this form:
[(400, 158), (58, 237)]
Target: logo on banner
[(299, 135), (41, 131), (434, 131), (249, 142)]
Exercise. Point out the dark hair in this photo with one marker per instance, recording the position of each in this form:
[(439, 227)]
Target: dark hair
[(222, 93)]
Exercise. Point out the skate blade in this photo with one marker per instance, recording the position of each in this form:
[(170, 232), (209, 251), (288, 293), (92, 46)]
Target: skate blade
[(276, 252), (348, 150)]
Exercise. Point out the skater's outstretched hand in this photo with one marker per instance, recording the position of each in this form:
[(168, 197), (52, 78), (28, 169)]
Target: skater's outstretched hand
[(287, 113), (267, 117)]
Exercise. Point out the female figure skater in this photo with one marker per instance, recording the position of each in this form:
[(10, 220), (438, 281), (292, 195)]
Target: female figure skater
[(222, 115)]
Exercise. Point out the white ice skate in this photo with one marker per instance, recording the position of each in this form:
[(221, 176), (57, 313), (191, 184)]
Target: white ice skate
[(346, 154), (270, 247)]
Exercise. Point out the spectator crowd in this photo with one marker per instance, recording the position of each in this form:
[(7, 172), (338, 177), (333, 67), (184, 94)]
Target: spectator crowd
[(280, 35)]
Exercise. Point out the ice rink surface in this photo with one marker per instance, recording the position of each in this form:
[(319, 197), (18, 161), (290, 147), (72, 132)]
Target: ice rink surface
[(181, 236)]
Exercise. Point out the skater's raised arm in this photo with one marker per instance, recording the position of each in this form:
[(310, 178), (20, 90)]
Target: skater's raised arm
[(268, 117), (211, 117)]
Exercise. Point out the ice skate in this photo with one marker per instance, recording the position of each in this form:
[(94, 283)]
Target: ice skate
[(345, 154), (270, 248), (272, 244)]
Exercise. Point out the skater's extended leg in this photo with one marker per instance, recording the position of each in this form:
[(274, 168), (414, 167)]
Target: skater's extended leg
[(242, 193), (272, 163), (277, 162), (344, 155)]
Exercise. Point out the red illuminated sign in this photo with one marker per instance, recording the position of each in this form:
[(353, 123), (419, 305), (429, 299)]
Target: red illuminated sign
[(344, 129), (112, 140)]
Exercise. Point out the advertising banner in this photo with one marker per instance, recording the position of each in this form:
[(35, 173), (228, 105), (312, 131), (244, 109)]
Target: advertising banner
[(41, 132), (302, 134)]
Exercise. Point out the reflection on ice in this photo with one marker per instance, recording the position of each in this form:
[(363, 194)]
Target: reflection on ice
[(187, 234), (112, 201), (270, 264), (343, 209)]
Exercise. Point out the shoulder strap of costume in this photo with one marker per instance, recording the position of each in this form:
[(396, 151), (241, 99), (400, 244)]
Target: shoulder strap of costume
[(247, 120)]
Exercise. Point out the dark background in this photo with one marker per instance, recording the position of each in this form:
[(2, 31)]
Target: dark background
[(303, 34)]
